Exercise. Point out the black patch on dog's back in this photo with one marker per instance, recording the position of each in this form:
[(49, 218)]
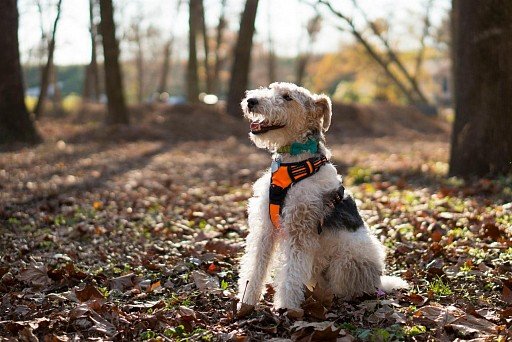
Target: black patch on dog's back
[(344, 215)]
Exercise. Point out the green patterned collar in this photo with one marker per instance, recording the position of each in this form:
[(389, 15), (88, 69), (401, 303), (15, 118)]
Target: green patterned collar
[(311, 145)]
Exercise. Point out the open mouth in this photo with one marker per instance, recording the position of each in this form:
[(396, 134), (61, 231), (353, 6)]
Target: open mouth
[(259, 127)]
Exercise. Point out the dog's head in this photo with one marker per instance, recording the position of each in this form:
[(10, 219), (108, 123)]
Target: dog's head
[(284, 113)]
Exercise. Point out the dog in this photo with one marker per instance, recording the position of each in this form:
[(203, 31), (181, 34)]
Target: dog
[(301, 220)]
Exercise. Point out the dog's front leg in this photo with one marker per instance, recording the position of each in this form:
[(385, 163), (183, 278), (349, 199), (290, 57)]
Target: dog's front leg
[(298, 249), (259, 250)]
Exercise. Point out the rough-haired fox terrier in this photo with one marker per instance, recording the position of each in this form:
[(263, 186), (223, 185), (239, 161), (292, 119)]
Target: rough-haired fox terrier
[(300, 215)]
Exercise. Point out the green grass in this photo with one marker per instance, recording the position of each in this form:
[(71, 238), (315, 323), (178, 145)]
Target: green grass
[(440, 288)]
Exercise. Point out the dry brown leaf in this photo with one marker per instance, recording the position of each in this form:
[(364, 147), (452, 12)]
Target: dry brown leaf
[(222, 246), (154, 286), (491, 231), (416, 299), (314, 308), (55, 338), (124, 282), (36, 274), (506, 313), (294, 313), (186, 312), (26, 334), (205, 282), (323, 295), (244, 310), (89, 292), (456, 319), (314, 331), (506, 295)]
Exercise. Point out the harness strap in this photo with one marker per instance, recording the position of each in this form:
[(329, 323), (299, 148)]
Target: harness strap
[(284, 177)]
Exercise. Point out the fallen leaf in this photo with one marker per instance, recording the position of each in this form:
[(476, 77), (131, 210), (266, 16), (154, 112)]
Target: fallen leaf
[(186, 312), (416, 299), (456, 319), (295, 313), (506, 295), (244, 310), (314, 308), (315, 331), (124, 282), (55, 338), (223, 246), (87, 293), (323, 295), (98, 205), (506, 313), (491, 231), (153, 286), (205, 282), (36, 274)]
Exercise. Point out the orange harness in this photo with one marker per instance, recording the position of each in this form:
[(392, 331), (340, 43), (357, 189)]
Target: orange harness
[(284, 177)]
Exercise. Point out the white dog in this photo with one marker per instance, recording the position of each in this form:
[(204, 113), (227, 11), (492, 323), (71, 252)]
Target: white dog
[(300, 217)]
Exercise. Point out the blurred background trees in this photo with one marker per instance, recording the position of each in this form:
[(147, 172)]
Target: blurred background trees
[(15, 123), (117, 112), (242, 58), (139, 53), (482, 50)]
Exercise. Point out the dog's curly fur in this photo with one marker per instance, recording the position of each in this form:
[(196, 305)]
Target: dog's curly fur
[(346, 262)]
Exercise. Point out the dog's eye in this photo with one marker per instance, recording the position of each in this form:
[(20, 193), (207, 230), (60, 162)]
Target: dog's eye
[(287, 97)]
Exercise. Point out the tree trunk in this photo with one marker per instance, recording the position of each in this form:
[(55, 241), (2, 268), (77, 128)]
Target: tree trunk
[(166, 62), (204, 33), (482, 50), (166, 68), (139, 63), (57, 109), (92, 81), (117, 111), (218, 43), (45, 75), (192, 77), (300, 68), (15, 123), (242, 58), (271, 58)]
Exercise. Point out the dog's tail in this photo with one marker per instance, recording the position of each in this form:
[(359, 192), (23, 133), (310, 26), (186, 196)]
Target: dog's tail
[(390, 283)]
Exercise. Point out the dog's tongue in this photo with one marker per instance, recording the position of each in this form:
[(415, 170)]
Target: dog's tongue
[(255, 126)]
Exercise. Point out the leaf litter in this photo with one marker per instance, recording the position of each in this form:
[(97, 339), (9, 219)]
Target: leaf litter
[(137, 236)]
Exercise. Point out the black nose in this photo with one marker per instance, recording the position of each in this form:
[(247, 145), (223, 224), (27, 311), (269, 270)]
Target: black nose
[(252, 102)]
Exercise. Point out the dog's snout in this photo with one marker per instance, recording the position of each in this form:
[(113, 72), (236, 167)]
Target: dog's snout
[(252, 102)]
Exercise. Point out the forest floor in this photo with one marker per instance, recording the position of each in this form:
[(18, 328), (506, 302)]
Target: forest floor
[(136, 233)]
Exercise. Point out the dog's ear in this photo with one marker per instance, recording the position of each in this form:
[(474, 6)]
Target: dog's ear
[(323, 108)]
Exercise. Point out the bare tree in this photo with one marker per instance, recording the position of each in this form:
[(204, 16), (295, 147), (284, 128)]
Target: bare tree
[(206, 49), (15, 122), (389, 59), (45, 74), (242, 58), (481, 138), (166, 66), (117, 110), (427, 24), (271, 58), (92, 81), (166, 61), (136, 36), (312, 29), (192, 76), (219, 59)]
